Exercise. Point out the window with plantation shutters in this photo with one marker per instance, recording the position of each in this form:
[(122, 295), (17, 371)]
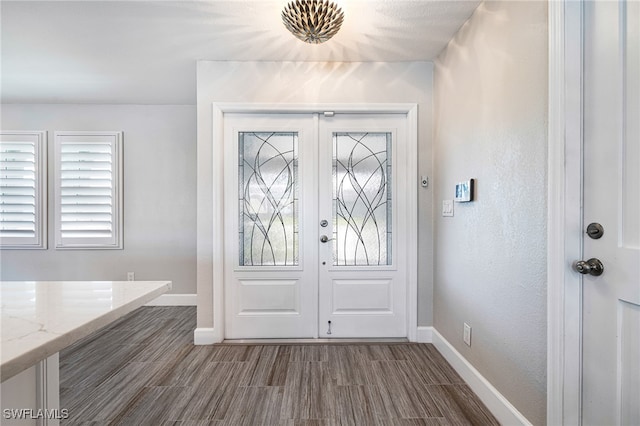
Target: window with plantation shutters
[(23, 160), (88, 190)]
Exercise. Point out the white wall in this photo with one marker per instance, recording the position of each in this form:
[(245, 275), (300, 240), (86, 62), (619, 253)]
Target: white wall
[(159, 195), (310, 83), (490, 87)]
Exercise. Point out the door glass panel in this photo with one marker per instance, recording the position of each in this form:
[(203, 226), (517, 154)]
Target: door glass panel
[(361, 199), (268, 198)]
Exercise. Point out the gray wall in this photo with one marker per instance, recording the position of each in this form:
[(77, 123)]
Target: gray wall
[(490, 123), (159, 195)]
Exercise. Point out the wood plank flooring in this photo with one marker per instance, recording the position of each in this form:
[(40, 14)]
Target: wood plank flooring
[(145, 370)]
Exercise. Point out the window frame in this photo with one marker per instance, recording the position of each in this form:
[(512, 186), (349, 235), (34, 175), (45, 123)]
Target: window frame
[(39, 241), (115, 242)]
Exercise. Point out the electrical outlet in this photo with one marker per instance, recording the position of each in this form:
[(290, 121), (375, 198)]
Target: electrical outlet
[(131, 276), (467, 334)]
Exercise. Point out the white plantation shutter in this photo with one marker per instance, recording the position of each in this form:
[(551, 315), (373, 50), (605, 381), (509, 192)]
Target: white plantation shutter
[(22, 189), (88, 189)]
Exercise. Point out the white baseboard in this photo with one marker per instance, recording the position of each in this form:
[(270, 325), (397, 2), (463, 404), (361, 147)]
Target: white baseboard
[(499, 406), (174, 300), (206, 336), (424, 334)]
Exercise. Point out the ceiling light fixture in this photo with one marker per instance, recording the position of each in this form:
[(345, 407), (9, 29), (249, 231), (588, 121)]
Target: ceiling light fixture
[(312, 21)]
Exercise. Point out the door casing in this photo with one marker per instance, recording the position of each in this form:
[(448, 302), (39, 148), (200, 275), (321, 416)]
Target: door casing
[(564, 213), (218, 255)]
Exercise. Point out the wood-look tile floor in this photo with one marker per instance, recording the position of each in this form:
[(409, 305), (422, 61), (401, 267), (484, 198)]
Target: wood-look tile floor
[(145, 370)]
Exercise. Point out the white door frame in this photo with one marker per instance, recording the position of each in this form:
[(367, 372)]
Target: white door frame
[(564, 290), (218, 111)]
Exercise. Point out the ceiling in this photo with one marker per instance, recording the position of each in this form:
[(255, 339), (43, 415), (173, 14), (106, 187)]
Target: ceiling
[(145, 52)]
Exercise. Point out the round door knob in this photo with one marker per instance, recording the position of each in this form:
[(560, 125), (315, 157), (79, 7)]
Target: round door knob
[(324, 239), (592, 266)]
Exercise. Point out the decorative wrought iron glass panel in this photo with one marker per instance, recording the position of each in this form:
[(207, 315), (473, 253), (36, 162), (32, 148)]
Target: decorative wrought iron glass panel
[(361, 199), (268, 198)]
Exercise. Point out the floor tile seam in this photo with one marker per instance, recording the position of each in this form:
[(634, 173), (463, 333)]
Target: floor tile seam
[(112, 372), (471, 398), (260, 386), (450, 400), (130, 405), (171, 367), (108, 417)]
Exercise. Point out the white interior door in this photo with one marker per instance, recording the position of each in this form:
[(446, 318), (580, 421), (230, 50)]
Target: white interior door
[(362, 261), (291, 179), (611, 301), (270, 209)]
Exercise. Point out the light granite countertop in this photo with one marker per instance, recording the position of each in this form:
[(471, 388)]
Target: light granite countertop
[(40, 318)]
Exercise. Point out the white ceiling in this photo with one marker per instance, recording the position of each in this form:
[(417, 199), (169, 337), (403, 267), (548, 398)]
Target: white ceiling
[(145, 52)]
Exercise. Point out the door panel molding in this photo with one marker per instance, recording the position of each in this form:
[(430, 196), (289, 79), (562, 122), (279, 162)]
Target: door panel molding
[(253, 291), (218, 110), (379, 294)]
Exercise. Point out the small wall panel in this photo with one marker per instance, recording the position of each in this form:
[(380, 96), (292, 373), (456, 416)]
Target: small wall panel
[(362, 296), (268, 297), (629, 365)]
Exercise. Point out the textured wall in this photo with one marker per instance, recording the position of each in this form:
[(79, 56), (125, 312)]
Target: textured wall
[(490, 87), (159, 196), (310, 83)]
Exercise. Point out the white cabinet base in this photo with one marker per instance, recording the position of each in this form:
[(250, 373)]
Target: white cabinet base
[(33, 396)]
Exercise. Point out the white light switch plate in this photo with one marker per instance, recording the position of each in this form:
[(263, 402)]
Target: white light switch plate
[(447, 208), (467, 334)]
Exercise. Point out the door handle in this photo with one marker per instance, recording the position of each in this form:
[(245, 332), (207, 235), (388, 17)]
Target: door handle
[(592, 266), (325, 239)]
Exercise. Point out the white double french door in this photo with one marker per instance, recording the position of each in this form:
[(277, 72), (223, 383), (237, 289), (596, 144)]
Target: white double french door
[(314, 229)]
